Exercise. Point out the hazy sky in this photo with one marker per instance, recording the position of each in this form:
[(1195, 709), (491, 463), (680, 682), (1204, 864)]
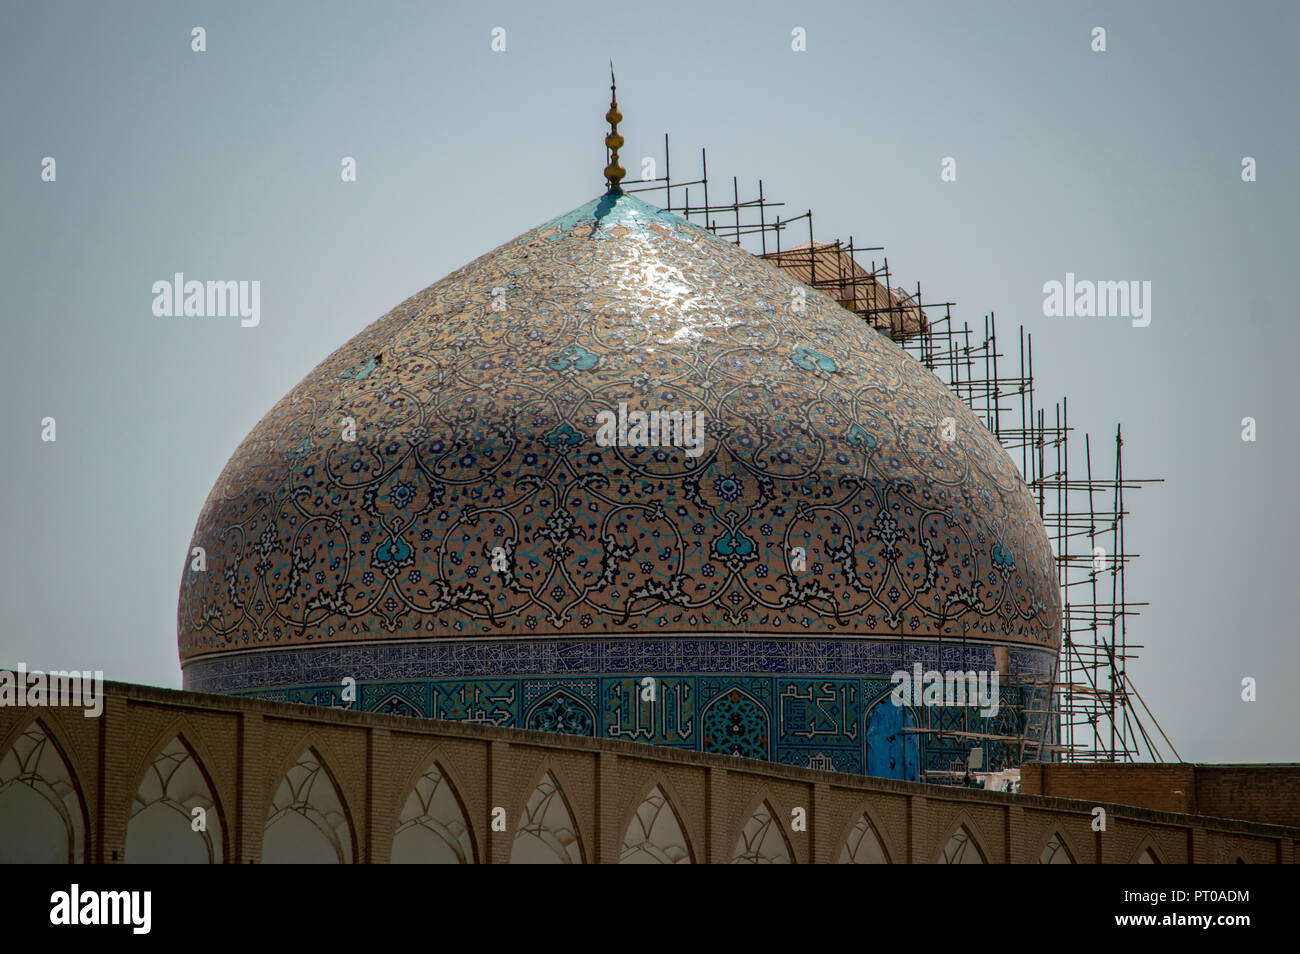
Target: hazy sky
[(1122, 165)]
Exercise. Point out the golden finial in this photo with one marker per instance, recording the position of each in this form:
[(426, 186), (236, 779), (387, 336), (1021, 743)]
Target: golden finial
[(613, 172)]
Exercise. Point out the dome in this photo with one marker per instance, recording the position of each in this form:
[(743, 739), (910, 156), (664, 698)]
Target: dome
[(475, 486)]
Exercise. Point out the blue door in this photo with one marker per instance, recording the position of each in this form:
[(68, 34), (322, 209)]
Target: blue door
[(891, 752)]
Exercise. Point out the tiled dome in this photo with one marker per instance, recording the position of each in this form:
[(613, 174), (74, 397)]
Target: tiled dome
[(481, 522), (475, 405)]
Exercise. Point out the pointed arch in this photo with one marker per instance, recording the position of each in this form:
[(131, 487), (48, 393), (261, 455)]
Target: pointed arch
[(1147, 853), (762, 839), (433, 827), (963, 844), (655, 834), (308, 821), (863, 843), (547, 833), (735, 723), (1056, 851), (396, 704), (42, 812), (172, 785), (561, 711)]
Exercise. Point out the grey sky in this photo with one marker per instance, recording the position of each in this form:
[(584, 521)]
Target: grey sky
[(225, 165)]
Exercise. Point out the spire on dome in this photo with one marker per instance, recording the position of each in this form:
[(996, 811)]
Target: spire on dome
[(614, 173)]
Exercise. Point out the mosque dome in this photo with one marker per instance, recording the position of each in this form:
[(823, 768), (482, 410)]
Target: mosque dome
[(476, 490)]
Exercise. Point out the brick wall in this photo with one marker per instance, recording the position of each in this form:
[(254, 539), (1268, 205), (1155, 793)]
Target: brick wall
[(245, 746), (1259, 793)]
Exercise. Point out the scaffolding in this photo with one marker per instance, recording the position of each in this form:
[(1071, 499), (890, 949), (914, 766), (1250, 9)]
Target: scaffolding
[(1087, 709)]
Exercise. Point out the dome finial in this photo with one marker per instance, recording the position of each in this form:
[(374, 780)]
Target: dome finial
[(613, 172)]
